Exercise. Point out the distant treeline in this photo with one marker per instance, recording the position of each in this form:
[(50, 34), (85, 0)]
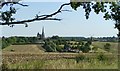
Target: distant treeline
[(102, 39), (6, 41)]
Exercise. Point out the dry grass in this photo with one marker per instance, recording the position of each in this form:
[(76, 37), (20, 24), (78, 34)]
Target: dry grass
[(32, 57), (114, 45), (63, 63), (33, 48)]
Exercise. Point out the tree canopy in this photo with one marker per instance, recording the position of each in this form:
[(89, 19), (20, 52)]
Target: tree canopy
[(111, 10)]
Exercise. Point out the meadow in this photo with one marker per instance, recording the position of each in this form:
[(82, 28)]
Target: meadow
[(34, 57)]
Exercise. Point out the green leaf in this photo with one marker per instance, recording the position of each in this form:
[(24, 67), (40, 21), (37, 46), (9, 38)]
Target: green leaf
[(75, 5)]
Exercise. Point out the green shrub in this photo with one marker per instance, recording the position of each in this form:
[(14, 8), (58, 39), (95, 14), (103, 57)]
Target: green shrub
[(95, 48), (80, 58), (101, 57), (107, 47), (59, 48), (50, 46)]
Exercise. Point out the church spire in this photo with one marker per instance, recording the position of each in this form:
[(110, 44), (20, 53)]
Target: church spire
[(43, 34)]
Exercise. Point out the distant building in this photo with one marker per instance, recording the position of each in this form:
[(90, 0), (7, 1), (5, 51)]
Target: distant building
[(41, 36)]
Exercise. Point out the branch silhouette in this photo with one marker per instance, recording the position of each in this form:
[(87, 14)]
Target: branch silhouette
[(6, 3), (39, 18)]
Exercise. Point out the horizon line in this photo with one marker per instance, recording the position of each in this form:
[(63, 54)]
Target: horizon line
[(56, 35)]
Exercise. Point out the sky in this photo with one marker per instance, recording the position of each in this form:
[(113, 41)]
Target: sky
[(73, 24)]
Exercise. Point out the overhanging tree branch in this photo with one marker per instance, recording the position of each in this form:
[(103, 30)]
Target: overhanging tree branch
[(6, 3), (39, 18), (30, 20)]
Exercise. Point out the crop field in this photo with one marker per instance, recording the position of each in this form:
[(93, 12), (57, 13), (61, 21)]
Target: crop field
[(34, 57)]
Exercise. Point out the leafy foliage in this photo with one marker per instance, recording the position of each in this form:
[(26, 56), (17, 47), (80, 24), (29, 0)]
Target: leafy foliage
[(101, 57), (50, 46), (67, 47), (86, 48), (112, 13), (8, 19), (17, 40), (59, 48), (107, 47), (98, 7), (80, 58), (7, 16)]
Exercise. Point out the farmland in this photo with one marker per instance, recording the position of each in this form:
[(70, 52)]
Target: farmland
[(30, 48), (34, 56), (114, 46), (57, 60)]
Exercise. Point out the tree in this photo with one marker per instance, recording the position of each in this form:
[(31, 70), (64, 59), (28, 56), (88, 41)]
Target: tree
[(89, 42), (112, 14), (79, 47), (107, 46), (59, 48), (50, 46), (67, 47), (4, 42), (55, 37), (86, 48)]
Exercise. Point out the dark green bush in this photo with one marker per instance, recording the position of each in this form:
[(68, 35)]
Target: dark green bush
[(107, 47), (101, 57), (80, 58)]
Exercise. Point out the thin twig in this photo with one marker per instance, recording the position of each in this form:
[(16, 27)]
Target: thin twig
[(39, 18), (6, 3)]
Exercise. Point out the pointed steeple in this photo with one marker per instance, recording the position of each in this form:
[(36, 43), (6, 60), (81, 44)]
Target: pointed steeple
[(43, 34)]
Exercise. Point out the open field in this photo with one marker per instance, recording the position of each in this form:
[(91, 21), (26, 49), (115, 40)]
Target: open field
[(114, 46), (101, 44), (30, 48), (34, 57), (59, 61), (65, 64)]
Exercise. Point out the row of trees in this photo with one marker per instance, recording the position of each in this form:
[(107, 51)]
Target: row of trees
[(54, 45), (59, 44), (17, 40), (104, 39)]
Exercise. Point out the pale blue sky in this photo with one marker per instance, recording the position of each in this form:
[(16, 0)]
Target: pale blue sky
[(73, 23)]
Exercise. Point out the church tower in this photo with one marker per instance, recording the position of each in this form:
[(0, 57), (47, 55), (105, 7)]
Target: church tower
[(38, 35), (43, 34)]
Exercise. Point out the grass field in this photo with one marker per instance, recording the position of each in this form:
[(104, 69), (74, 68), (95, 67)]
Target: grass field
[(65, 64), (31, 48), (114, 46), (34, 57), (51, 61)]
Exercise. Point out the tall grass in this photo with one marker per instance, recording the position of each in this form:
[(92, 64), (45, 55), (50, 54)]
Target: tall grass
[(100, 61)]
